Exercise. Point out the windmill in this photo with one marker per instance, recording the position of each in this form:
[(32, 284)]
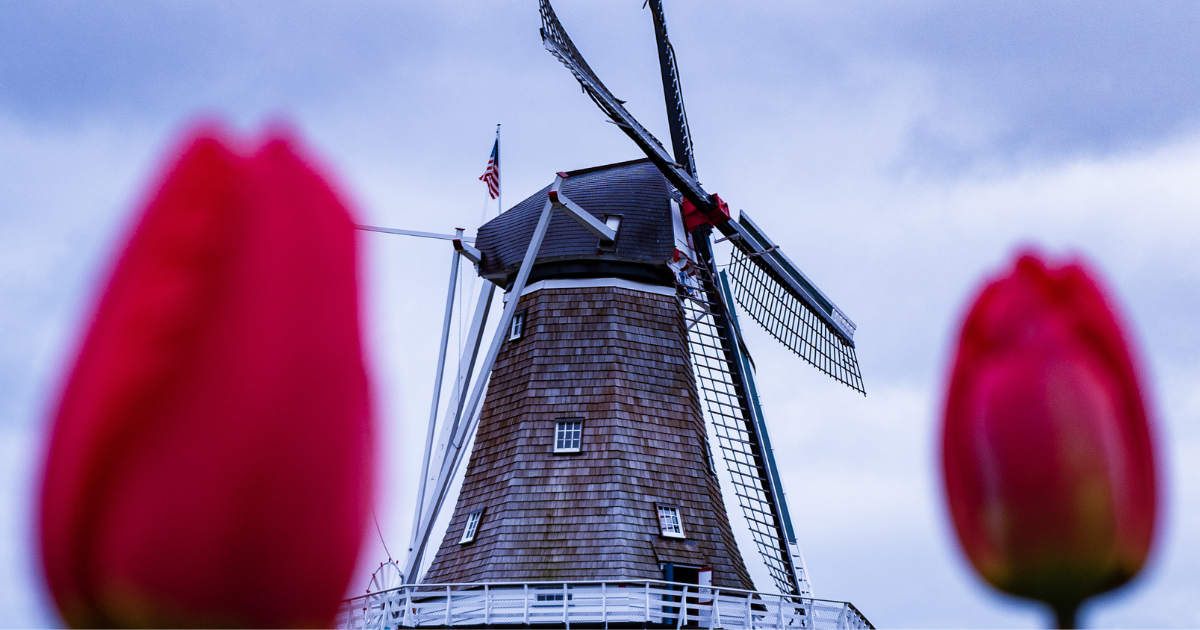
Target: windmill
[(592, 492)]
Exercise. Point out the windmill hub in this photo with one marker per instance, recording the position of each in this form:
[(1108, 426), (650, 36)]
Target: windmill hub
[(715, 215)]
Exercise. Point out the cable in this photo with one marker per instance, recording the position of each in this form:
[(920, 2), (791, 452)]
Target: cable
[(380, 532)]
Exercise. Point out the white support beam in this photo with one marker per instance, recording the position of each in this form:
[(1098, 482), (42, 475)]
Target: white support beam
[(455, 450), (583, 217), (467, 251), (466, 365), (437, 383), (444, 237), (453, 416)]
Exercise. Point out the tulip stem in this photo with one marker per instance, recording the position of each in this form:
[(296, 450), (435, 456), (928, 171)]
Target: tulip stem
[(1065, 614)]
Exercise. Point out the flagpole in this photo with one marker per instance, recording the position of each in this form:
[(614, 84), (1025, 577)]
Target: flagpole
[(499, 186)]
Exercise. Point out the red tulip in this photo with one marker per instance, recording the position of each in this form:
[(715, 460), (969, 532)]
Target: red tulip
[(210, 461), (1047, 453)]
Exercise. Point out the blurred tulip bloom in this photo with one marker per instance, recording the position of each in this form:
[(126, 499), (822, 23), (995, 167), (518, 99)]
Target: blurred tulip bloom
[(210, 462), (1047, 452)]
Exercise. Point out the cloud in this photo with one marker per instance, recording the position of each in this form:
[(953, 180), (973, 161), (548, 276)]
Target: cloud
[(1048, 81), (863, 471), (23, 598)]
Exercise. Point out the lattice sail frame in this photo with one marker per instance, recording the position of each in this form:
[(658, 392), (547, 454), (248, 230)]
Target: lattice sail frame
[(793, 322), (555, 39), (727, 406)]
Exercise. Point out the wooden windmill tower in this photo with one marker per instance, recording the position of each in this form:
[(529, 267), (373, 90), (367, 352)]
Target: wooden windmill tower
[(592, 428), (616, 364)]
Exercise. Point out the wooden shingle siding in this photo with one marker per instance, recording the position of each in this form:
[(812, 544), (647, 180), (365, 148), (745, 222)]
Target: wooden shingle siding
[(617, 359)]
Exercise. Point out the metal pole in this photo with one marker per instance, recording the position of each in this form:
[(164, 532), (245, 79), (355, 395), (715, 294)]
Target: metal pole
[(437, 393), (454, 450), (466, 364), (499, 174), (444, 237)]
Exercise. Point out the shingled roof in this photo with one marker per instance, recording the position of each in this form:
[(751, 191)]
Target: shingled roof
[(634, 190)]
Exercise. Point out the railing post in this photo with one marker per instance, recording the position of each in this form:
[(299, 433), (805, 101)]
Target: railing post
[(714, 615), (647, 602), (682, 612), (749, 622), (407, 606), (604, 604), (779, 624), (487, 606), (526, 590), (565, 621), (448, 596), (843, 618)]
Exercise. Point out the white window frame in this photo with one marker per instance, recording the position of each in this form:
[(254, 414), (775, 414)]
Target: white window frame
[(670, 521), (575, 444), (471, 528), (516, 329)]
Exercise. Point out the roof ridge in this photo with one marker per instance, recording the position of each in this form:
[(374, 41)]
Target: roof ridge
[(592, 169)]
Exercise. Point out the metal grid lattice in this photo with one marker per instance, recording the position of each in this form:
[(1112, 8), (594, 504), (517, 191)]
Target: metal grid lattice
[(791, 321), (727, 407)]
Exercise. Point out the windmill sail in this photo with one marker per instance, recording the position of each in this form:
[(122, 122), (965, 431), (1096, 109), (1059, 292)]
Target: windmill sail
[(775, 293), (717, 364), (554, 37), (790, 307), (681, 135)]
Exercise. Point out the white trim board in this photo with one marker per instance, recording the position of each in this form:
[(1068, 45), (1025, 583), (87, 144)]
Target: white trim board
[(591, 283)]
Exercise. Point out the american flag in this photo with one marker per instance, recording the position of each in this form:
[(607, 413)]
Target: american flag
[(491, 176)]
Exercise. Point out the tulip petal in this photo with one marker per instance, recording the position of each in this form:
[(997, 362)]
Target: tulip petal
[(1047, 454), (210, 461)]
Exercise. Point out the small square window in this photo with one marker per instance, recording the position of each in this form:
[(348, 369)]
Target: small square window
[(471, 527), (518, 326), (568, 435), (669, 521), (549, 598)]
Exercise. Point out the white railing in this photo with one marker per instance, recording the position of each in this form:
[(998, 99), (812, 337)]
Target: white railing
[(656, 603)]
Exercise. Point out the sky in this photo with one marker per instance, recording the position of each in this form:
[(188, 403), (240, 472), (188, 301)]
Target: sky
[(900, 153)]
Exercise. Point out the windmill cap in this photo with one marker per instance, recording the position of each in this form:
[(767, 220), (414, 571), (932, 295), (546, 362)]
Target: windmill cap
[(636, 191)]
